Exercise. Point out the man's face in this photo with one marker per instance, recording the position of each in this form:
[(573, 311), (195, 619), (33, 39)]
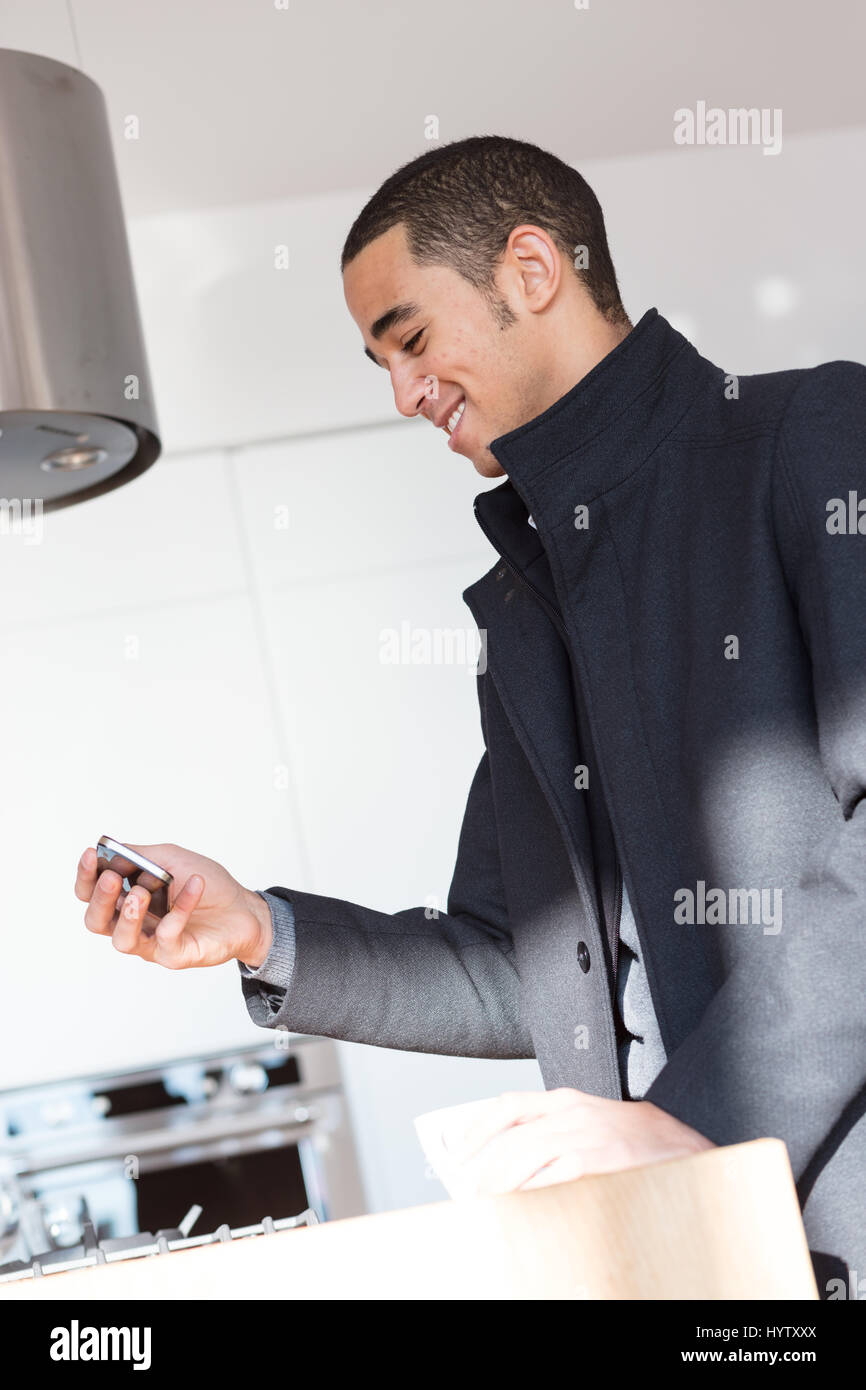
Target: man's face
[(448, 351)]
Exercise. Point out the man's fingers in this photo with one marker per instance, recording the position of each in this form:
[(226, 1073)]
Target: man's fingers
[(566, 1168), (510, 1159), (552, 1148), (99, 916), (126, 936), (464, 1136), (169, 932), (85, 878)]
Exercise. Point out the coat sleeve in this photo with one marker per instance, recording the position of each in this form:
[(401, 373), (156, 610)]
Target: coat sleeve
[(781, 1050), (419, 979)]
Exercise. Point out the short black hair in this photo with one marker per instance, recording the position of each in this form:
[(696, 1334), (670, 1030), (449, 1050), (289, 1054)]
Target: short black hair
[(459, 203)]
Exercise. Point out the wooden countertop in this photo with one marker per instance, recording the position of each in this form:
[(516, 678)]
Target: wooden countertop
[(722, 1224)]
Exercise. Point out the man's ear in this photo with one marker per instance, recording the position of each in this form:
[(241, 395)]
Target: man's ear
[(532, 265)]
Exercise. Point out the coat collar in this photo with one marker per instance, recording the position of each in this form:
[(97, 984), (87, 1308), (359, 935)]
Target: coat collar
[(593, 437)]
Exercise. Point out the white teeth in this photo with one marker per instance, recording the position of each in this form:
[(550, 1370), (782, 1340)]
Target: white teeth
[(451, 422)]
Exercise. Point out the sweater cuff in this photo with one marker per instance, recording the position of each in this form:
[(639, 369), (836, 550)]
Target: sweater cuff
[(278, 966)]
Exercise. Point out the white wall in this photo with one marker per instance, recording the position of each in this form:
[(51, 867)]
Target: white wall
[(258, 646)]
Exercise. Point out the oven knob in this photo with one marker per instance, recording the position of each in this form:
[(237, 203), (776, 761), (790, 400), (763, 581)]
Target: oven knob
[(62, 1224), (248, 1077)]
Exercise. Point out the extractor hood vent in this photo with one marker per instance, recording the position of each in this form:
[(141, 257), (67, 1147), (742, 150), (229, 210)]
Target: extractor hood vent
[(76, 408)]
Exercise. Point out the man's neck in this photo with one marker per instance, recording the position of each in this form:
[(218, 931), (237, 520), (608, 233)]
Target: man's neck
[(586, 342)]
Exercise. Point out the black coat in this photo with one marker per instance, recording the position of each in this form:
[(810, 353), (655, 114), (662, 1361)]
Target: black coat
[(690, 567)]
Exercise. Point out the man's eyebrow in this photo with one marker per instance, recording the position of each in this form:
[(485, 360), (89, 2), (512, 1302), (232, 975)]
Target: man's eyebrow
[(398, 313)]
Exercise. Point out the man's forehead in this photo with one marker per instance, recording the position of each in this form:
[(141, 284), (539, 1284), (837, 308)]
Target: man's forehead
[(382, 281), (385, 255)]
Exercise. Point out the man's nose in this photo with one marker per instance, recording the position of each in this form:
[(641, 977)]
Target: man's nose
[(410, 392)]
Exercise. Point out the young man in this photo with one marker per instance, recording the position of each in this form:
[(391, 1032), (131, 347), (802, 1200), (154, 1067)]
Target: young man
[(660, 889)]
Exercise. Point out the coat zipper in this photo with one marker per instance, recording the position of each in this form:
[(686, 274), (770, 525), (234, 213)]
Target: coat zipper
[(556, 619)]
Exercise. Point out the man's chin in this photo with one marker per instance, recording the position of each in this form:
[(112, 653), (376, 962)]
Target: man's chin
[(487, 466)]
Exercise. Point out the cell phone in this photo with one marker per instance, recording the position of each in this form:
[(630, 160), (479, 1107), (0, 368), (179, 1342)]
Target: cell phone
[(135, 869)]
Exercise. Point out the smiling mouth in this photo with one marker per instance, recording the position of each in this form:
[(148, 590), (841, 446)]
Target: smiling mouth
[(453, 422)]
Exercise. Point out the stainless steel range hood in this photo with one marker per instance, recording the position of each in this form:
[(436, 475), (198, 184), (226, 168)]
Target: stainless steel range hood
[(76, 408)]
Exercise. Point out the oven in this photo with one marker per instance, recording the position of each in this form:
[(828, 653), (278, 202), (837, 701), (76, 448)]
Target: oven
[(144, 1161)]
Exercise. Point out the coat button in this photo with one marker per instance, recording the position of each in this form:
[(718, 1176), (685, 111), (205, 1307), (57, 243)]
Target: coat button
[(583, 956), (501, 572)]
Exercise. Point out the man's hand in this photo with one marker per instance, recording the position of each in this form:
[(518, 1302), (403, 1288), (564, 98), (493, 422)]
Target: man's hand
[(212, 917), (535, 1138)]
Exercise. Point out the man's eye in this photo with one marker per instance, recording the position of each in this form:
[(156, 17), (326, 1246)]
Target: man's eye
[(408, 346)]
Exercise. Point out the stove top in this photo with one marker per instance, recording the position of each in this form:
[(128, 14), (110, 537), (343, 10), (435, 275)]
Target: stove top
[(98, 1252)]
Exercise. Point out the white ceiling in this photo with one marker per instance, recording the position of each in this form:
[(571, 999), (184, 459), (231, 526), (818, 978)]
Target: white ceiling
[(242, 102)]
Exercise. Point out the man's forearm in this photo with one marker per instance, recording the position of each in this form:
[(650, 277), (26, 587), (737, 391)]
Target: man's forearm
[(406, 980)]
